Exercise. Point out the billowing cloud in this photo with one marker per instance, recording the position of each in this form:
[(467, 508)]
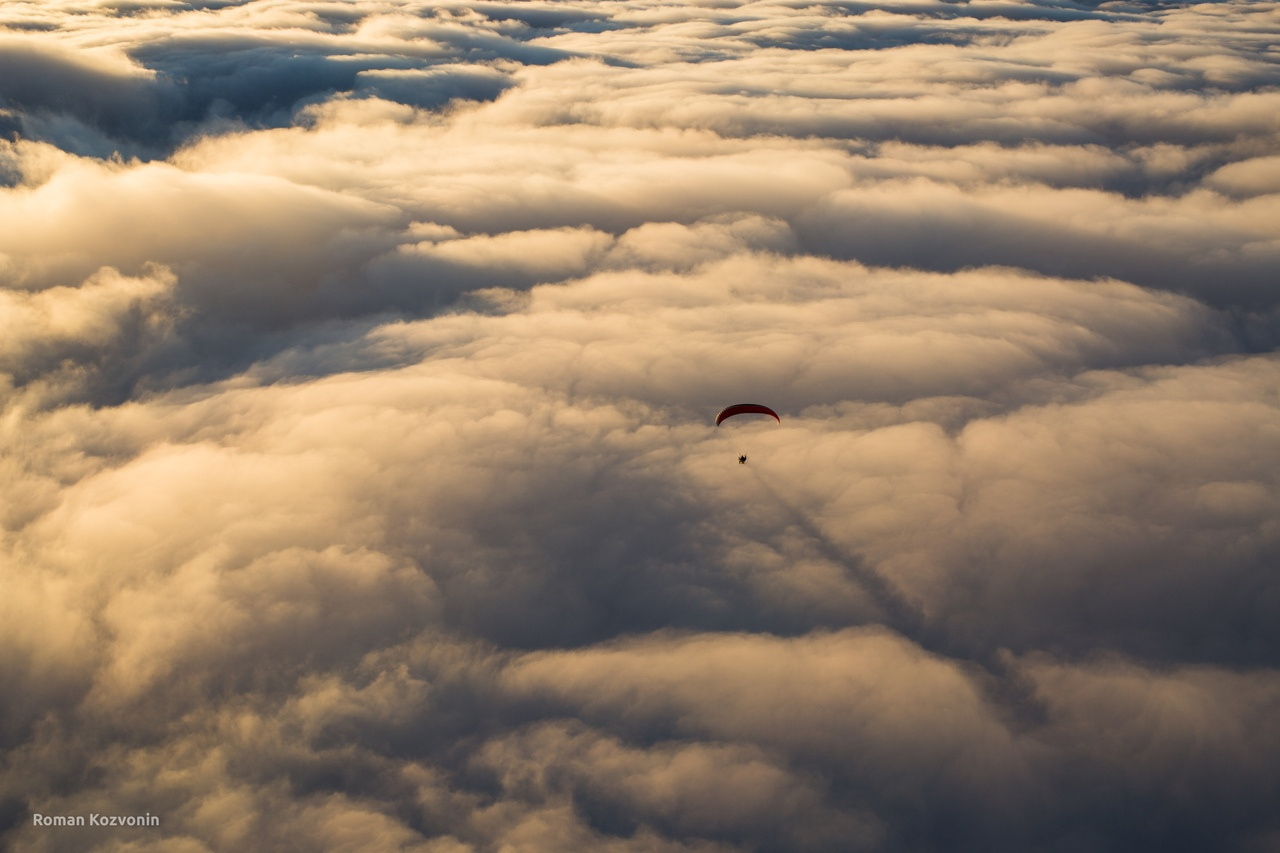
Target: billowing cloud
[(360, 489)]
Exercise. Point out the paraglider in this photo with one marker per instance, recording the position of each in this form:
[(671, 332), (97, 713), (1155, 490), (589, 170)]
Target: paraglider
[(746, 409)]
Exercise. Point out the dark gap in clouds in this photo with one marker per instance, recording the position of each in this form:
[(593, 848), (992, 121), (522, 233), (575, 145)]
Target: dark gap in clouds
[(866, 38), (421, 285), (213, 5), (610, 817), (130, 8), (480, 46), (34, 80), (1004, 129), (319, 349), (1227, 619), (10, 168), (433, 89), (953, 9), (1136, 184), (945, 240), (1142, 7), (1193, 80), (265, 91), (339, 19), (938, 820), (552, 587), (255, 81), (150, 117), (547, 16), (28, 26), (13, 811), (211, 79), (143, 361), (460, 713), (1098, 812), (333, 767), (1256, 331), (201, 354)]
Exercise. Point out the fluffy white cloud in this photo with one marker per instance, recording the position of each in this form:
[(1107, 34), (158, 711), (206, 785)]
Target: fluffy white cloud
[(358, 486)]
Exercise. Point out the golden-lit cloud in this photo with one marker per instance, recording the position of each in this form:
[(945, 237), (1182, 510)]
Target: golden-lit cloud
[(359, 487)]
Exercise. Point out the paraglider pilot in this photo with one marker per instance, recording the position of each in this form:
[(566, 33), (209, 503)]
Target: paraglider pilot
[(745, 409)]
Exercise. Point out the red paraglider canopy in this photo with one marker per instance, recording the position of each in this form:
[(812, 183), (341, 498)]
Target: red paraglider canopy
[(746, 409)]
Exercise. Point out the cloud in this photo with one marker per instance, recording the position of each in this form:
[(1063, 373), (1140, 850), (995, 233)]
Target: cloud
[(1199, 739), (358, 485), (712, 791), (1257, 176), (101, 90), (99, 334), (824, 703), (1078, 233), (162, 86)]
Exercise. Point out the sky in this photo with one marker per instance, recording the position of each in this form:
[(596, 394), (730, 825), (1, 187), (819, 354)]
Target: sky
[(359, 482)]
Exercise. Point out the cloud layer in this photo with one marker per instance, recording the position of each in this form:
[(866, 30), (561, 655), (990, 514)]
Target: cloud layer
[(357, 369)]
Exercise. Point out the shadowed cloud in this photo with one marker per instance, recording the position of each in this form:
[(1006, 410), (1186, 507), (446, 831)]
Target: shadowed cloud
[(359, 484)]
